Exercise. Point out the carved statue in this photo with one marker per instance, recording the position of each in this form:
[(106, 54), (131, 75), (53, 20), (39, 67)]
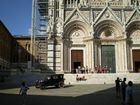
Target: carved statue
[(83, 2), (61, 1), (49, 30), (50, 25), (127, 2), (134, 2), (59, 27)]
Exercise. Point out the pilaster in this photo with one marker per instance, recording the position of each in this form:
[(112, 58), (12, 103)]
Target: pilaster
[(125, 56), (121, 55), (50, 59)]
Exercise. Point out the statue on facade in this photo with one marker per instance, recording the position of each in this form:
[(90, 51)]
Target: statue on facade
[(127, 2), (83, 3), (132, 2), (50, 25), (136, 3), (59, 26), (61, 2)]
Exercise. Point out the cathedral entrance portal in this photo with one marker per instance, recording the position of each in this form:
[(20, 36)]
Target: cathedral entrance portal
[(76, 59), (136, 60), (108, 57)]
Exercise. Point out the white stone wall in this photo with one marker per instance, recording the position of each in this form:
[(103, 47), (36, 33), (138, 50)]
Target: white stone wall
[(85, 28)]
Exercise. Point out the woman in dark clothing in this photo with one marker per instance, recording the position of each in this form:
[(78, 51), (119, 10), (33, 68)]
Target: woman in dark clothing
[(117, 82)]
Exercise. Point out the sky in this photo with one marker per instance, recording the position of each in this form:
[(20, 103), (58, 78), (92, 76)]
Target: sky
[(16, 16)]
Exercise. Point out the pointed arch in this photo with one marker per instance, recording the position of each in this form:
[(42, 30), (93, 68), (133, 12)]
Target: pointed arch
[(76, 25), (108, 25), (133, 26)]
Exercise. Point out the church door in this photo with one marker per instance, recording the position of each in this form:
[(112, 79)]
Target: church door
[(136, 60), (108, 57), (76, 59)]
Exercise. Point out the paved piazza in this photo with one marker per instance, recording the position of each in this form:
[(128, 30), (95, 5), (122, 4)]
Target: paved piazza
[(70, 95)]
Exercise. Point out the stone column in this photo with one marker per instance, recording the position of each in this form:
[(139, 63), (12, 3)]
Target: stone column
[(89, 56), (129, 55), (125, 56), (96, 54), (58, 55), (50, 59), (62, 54), (92, 55), (118, 57), (121, 57), (66, 56)]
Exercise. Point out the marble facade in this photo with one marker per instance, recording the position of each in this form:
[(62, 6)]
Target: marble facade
[(93, 27)]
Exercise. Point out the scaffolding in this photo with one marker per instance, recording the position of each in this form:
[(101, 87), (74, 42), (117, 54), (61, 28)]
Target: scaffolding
[(38, 33), (43, 10)]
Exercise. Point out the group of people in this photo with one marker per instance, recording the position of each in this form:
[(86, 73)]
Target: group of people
[(97, 69), (80, 78), (124, 90), (82, 70), (102, 69)]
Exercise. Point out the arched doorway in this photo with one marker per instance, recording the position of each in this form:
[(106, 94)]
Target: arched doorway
[(107, 46), (133, 34), (108, 57), (74, 45), (76, 60)]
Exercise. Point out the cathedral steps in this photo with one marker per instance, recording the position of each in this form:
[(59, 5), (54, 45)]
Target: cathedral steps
[(31, 77), (101, 78)]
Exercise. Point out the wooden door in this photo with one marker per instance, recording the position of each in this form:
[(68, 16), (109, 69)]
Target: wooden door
[(76, 59)]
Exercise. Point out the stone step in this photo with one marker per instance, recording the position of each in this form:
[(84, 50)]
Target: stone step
[(31, 77), (101, 78)]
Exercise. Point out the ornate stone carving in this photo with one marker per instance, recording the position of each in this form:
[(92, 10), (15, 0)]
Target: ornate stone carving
[(83, 3), (107, 15), (107, 34), (59, 26), (50, 25), (76, 34), (136, 37)]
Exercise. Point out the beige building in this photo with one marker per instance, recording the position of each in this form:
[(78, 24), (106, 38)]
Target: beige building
[(14, 50), (88, 33)]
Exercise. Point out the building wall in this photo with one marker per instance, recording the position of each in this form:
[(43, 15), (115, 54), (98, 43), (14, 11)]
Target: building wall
[(5, 47), (90, 25), (23, 51), (14, 51)]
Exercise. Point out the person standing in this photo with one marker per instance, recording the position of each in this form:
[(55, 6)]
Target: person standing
[(23, 91), (117, 82), (123, 89), (129, 94)]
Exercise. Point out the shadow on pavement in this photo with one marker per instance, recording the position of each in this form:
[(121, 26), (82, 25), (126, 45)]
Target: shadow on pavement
[(104, 97)]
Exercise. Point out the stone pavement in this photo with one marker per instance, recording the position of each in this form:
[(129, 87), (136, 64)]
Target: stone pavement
[(70, 95)]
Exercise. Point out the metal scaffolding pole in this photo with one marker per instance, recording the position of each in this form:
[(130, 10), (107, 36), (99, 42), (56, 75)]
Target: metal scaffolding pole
[(39, 10), (33, 32)]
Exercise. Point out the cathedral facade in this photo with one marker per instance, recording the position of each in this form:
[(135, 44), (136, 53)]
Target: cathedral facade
[(92, 34)]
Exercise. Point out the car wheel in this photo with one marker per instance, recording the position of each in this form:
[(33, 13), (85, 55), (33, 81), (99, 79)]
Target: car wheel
[(61, 84), (42, 87), (37, 85)]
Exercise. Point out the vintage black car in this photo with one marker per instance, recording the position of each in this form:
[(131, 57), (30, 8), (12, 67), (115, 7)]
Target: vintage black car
[(56, 80)]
